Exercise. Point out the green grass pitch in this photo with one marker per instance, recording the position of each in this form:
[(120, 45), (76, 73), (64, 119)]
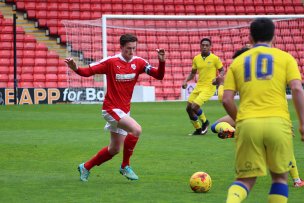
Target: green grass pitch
[(42, 145)]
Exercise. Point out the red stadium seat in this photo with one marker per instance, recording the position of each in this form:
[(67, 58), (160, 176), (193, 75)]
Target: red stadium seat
[(29, 5), (4, 69), (279, 10), (289, 10), (190, 9), (52, 54), (3, 77), (41, 46), (30, 45), (74, 6), (26, 84), (41, 6), (230, 10), (85, 15), (26, 77), (3, 85), (51, 69), (299, 9), (40, 53), (51, 77), (51, 84), (62, 77), (29, 54), (20, 6), (52, 14), (40, 62), (6, 45), (220, 10), (39, 84), (270, 9), (240, 10), (27, 69), (260, 9), (74, 15), (96, 14), (11, 69), (6, 61), (96, 7), (106, 8), (38, 69), (7, 37), (41, 14), (268, 2), (62, 69), (39, 77), (250, 10), (63, 84)]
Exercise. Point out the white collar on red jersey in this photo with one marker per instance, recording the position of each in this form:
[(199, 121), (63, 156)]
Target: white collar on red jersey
[(123, 59)]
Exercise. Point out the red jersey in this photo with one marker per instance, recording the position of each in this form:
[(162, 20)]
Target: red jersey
[(121, 78)]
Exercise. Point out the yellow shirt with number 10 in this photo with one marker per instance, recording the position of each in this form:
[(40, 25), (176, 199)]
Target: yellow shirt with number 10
[(261, 75)]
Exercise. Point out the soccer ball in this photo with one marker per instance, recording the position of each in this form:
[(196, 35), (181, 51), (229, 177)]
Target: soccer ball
[(200, 182)]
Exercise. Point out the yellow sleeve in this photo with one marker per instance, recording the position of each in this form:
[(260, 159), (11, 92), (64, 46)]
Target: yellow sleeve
[(194, 63), (292, 72), (220, 92), (219, 63), (229, 83)]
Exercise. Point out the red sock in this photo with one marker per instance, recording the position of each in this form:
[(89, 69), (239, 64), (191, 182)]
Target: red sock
[(129, 145), (102, 156)]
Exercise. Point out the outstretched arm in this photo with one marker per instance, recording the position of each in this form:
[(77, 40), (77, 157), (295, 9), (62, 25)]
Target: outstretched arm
[(158, 73), (298, 98), (85, 72)]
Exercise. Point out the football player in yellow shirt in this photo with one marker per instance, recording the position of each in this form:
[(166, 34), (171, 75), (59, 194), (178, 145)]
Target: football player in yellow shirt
[(206, 64), (263, 127), (225, 125)]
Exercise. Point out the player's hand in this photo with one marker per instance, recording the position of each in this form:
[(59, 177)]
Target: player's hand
[(214, 82), (161, 55), (184, 85), (219, 80), (71, 63)]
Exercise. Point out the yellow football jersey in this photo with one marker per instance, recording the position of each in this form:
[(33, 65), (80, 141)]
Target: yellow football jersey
[(206, 68), (261, 75)]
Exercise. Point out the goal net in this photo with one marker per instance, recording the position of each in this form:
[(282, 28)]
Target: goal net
[(180, 36)]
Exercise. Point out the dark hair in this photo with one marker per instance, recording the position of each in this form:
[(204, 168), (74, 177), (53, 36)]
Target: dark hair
[(206, 39), (239, 52), (124, 39), (262, 30)]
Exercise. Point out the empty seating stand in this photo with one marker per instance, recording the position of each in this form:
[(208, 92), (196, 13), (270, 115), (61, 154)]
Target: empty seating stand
[(49, 14), (34, 61)]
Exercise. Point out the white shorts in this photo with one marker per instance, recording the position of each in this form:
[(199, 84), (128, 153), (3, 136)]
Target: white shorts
[(112, 117)]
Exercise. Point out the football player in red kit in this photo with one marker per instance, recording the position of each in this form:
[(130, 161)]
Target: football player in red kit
[(122, 71)]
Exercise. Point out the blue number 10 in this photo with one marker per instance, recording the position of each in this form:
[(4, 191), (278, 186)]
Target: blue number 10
[(260, 73)]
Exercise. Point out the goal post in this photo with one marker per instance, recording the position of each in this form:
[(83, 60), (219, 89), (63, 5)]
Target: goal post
[(92, 40)]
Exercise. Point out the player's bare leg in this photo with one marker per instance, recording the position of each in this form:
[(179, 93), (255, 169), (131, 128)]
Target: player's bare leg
[(134, 130), (115, 143)]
